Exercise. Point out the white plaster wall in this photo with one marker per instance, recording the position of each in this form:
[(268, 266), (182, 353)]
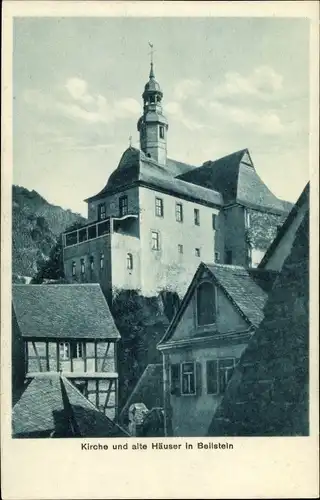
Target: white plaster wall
[(191, 415), (166, 268)]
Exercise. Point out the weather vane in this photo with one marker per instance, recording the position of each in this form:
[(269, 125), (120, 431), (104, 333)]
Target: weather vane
[(151, 51)]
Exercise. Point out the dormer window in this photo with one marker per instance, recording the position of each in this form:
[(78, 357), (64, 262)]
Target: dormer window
[(206, 304), (161, 131)]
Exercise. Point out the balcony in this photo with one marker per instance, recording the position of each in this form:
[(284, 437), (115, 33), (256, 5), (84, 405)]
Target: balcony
[(95, 230)]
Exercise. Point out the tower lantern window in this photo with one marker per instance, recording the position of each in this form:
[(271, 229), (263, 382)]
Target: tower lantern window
[(161, 131)]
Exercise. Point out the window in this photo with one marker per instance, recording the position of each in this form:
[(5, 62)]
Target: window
[(155, 240), (123, 205), (161, 131), (64, 351), (206, 304), (188, 375), (247, 219), (73, 268), (159, 207), (214, 221), (229, 257), (91, 263), (77, 350), (101, 261), (219, 372), (197, 252), (180, 248), (216, 256), (101, 211), (129, 261), (225, 370), (82, 266), (197, 217), (179, 212)]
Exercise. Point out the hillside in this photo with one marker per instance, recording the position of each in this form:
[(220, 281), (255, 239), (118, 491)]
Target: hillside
[(36, 226)]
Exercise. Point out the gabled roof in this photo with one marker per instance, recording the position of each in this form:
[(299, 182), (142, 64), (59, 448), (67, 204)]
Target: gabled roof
[(235, 177), (135, 168), (63, 311), (268, 394), (148, 390), (52, 405), (303, 200), (241, 286)]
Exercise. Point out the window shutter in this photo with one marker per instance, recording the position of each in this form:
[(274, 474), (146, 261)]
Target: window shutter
[(198, 379), (212, 376), (175, 380)]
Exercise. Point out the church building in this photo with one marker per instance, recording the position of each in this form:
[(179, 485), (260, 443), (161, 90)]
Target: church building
[(157, 218)]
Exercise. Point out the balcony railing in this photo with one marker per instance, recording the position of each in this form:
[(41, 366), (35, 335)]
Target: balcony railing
[(95, 230), (86, 233)]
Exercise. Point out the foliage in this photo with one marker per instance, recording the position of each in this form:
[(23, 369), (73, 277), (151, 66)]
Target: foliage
[(36, 226), (142, 322)]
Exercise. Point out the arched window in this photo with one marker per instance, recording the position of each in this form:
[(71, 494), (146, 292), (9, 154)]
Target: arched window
[(73, 268), (101, 261), (206, 304), (129, 261)]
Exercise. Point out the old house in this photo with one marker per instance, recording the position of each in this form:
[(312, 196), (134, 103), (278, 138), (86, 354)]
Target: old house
[(268, 395), (68, 329), (157, 218), (217, 318), (51, 406)]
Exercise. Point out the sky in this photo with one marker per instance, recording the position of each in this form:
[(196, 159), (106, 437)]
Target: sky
[(228, 84)]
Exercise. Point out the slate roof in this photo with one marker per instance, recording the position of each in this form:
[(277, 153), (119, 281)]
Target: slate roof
[(51, 404), (63, 311), (135, 168), (244, 291), (243, 287), (235, 177), (148, 390)]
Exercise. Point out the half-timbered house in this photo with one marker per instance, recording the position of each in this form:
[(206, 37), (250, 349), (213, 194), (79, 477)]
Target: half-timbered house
[(69, 329)]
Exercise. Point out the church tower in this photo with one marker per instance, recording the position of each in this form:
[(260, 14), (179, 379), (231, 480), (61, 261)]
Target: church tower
[(153, 125)]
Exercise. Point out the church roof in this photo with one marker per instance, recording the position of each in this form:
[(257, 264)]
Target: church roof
[(51, 404), (63, 311), (235, 177), (135, 168)]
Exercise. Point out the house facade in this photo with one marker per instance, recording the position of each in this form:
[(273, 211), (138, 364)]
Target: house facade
[(202, 346), (156, 218), (69, 329)]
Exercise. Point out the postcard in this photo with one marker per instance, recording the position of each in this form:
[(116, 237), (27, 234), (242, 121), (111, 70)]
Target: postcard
[(159, 250)]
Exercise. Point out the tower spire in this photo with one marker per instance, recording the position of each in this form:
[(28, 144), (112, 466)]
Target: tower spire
[(151, 75)]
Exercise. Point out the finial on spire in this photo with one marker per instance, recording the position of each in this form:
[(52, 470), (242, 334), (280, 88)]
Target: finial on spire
[(130, 141), (151, 75)]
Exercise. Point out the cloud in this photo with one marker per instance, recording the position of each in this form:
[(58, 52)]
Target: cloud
[(263, 122), (76, 102), (175, 109), (262, 82), (186, 88), (77, 89)]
